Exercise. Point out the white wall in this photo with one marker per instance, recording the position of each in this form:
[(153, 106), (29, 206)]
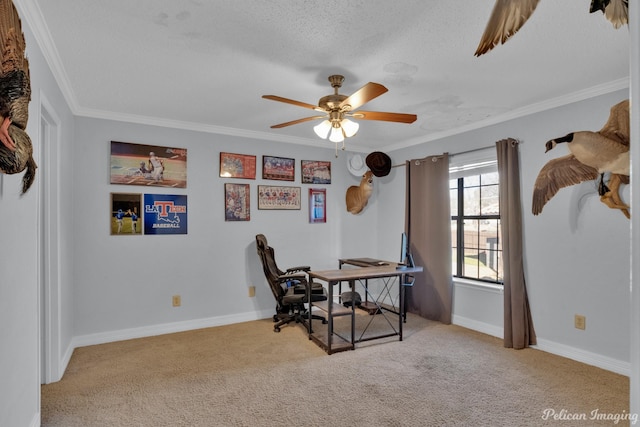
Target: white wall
[(124, 284), (576, 251), (19, 258)]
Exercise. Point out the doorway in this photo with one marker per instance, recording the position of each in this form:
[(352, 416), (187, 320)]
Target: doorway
[(49, 244)]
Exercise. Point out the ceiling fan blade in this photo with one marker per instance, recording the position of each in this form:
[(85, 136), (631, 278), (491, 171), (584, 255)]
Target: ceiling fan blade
[(295, 122), (363, 95), (293, 102), (387, 117)]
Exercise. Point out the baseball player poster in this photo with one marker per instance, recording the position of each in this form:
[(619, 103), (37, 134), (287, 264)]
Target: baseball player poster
[(148, 165)]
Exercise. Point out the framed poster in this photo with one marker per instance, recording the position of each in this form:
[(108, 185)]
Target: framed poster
[(165, 214), (317, 205), (151, 165), (237, 202), (278, 197), (125, 214), (278, 168), (316, 172), (237, 166)]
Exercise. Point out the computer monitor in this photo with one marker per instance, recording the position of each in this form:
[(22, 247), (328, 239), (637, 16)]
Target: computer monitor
[(405, 252)]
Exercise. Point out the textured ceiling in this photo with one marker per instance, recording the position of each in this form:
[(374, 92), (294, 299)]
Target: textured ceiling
[(204, 64)]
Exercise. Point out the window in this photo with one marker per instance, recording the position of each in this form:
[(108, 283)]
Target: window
[(475, 222)]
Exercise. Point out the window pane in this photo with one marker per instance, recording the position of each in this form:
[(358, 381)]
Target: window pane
[(471, 227), (453, 195), (470, 267), (490, 178), (471, 200), (491, 265), (472, 181), (454, 261), (454, 246), (489, 200)]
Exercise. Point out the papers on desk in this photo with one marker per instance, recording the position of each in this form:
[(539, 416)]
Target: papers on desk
[(367, 261)]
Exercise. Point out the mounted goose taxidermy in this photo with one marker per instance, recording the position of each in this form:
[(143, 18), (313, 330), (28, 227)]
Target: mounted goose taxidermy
[(593, 154), (508, 16), (16, 150)]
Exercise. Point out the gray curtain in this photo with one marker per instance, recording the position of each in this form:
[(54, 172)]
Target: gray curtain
[(518, 325), (428, 226)]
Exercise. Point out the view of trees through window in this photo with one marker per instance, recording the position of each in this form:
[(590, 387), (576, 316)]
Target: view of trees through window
[(475, 227)]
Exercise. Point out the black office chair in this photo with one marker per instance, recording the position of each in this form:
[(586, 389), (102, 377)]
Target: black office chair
[(290, 288)]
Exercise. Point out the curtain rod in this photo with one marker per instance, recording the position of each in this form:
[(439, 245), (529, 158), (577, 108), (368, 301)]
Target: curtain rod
[(455, 154)]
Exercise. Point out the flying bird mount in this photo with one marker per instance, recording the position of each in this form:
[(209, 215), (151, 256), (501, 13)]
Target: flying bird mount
[(592, 155), (508, 16)]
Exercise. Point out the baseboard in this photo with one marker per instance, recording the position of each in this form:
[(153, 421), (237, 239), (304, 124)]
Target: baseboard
[(603, 362), (36, 421), (165, 328), (485, 328), (66, 358), (593, 359)]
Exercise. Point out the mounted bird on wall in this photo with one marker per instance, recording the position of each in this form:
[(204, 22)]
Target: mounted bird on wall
[(16, 150), (593, 154), (508, 16)]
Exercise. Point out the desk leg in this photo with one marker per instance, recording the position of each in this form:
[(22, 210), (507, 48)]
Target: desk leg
[(330, 317), (401, 312)]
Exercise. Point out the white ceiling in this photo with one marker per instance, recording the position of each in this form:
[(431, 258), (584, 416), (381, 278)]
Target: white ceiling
[(204, 64)]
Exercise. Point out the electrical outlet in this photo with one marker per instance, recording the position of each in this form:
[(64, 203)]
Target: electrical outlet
[(176, 300), (580, 322), (252, 291)]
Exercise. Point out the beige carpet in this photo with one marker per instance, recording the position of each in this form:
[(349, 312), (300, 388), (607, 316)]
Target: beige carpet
[(247, 375)]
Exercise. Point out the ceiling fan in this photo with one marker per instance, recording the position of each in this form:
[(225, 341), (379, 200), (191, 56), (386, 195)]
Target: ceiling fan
[(338, 108)]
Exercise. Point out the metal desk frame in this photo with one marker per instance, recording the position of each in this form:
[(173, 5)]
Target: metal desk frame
[(332, 309)]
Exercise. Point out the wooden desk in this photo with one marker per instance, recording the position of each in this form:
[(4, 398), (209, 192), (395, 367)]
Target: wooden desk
[(332, 309)]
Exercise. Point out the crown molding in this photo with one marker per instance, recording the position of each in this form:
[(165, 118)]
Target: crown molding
[(549, 104)]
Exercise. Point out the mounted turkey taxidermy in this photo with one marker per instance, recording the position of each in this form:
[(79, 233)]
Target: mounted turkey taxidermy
[(593, 154), (358, 196), (16, 150)]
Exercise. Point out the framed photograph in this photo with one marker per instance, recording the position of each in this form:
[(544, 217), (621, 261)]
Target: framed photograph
[(278, 168), (125, 214), (316, 172), (278, 197), (237, 166), (236, 202), (165, 214), (150, 165), (317, 205)]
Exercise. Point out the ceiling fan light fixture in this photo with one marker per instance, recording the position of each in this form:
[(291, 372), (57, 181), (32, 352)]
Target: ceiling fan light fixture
[(322, 129), (337, 135), (349, 127)]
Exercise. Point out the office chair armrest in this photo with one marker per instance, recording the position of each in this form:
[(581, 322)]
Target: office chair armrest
[(287, 277), (296, 269)]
